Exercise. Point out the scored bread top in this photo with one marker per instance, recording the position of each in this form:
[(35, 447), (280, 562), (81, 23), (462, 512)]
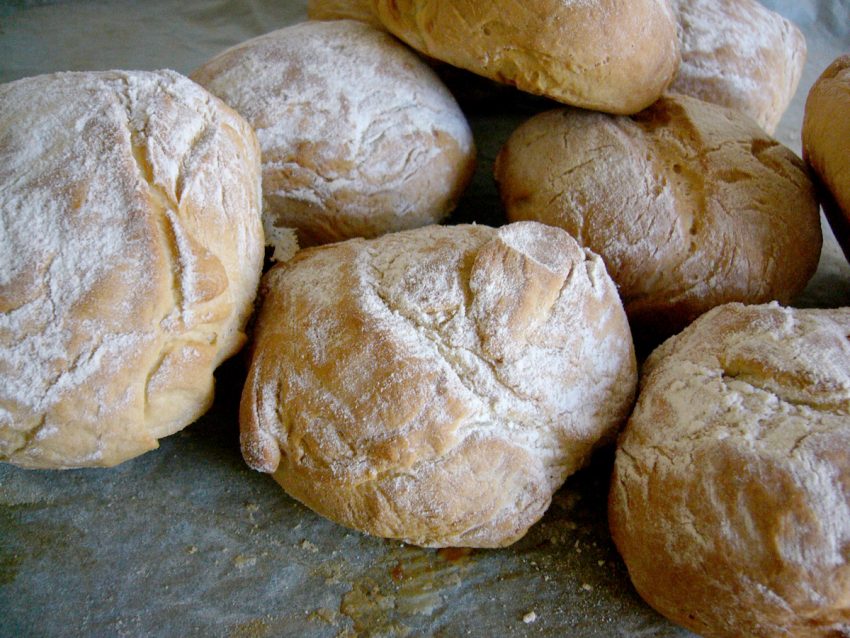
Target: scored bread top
[(436, 385), (689, 204), (132, 248)]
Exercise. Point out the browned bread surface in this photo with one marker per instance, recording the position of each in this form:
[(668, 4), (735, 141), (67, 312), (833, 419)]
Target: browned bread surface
[(130, 209), (436, 385), (359, 137), (730, 499), (739, 54), (826, 144), (689, 204), (598, 54)]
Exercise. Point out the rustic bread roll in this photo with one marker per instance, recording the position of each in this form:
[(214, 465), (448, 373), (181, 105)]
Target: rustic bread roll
[(730, 500), (739, 54), (358, 135), (598, 54), (826, 145), (689, 204), (436, 385), (131, 252), (343, 10)]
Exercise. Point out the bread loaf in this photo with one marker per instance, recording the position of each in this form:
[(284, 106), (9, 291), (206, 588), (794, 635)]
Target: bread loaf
[(730, 499), (598, 54), (131, 252), (739, 54), (358, 135), (436, 385), (826, 145), (689, 204)]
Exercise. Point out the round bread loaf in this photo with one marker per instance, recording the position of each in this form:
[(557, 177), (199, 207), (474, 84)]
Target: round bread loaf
[(358, 135), (730, 500), (436, 385), (343, 10), (689, 204), (130, 255), (739, 54), (826, 145), (598, 54)]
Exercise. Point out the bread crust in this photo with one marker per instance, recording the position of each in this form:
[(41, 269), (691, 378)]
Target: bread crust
[(739, 54), (359, 137), (690, 204), (826, 138), (437, 385), (343, 10), (730, 498), (604, 55), (132, 250)]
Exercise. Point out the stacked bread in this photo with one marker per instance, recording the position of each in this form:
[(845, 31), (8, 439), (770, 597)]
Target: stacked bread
[(689, 204), (437, 384), (359, 137)]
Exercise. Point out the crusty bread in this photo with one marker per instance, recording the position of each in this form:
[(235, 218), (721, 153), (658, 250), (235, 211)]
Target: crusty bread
[(739, 54), (730, 500), (343, 10), (436, 385), (131, 253), (689, 204), (358, 135), (826, 145), (598, 54)]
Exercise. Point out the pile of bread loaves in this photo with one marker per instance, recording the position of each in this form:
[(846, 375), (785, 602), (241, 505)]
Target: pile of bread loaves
[(437, 383)]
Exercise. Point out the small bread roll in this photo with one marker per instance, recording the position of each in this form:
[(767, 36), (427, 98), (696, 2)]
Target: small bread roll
[(730, 500), (826, 145), (130, 254), (689, 204), (598, 54), (359, 137), (343, 10), (739, 54), (436, 385)]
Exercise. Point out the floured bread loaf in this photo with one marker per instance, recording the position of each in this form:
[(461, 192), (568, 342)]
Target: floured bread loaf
[(730, 500), (343, 10), (436, 385), (689, 204), (130, 256), (739, 54), (598, 54), (358, 135), (826, 145)]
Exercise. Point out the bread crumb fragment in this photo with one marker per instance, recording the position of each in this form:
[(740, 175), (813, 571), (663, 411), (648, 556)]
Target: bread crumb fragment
[(529, 618)]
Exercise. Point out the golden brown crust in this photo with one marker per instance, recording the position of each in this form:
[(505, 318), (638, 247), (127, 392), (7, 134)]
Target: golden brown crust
[(739, 54), (436, 385), (133, 249), (689, 204), (343, 10), (826, 140), (358, 136), (598, 54), (730, 499)]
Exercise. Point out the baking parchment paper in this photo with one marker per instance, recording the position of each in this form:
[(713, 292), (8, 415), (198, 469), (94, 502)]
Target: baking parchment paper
[(187, 541)]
